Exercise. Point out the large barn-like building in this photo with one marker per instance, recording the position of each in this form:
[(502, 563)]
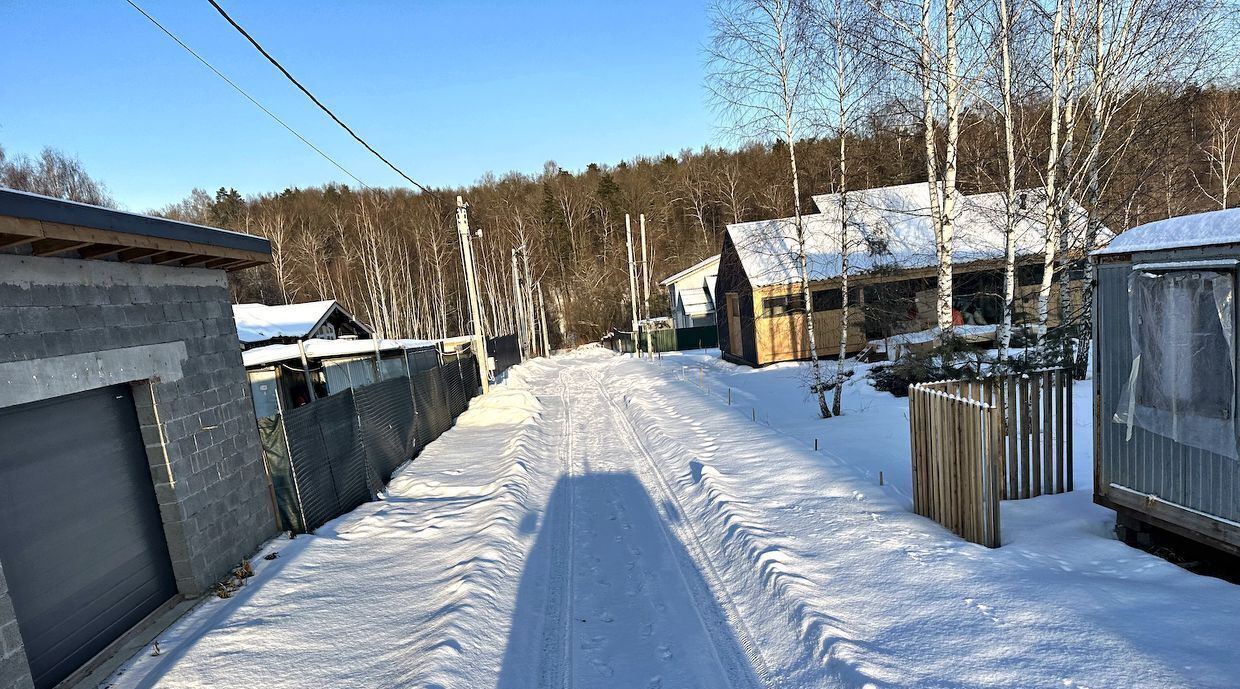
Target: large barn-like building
[(893, 268)]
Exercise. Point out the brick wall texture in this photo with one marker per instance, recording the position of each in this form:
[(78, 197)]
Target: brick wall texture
[(201, 437)]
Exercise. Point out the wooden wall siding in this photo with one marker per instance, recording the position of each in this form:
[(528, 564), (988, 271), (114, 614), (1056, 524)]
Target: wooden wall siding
[(974, 443), (784, 338), (1152, 464)]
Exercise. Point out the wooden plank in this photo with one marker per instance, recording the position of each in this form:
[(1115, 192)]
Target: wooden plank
[(1068, 435), (1048, 431), (973, 460), (1022, 400), (51, 247), (137, 254), (1060, 431), (172, 257), (1012, 456), (8, 241), (1035, 435), (914, 435), (996, 467), (100, 251)]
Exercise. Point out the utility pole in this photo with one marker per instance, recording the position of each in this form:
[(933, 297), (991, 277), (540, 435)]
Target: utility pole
[(542, 307), (628, 232), (471, 288), (646, 289)]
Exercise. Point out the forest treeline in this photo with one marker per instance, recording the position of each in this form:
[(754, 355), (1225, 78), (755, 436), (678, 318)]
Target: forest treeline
[(392, 255)]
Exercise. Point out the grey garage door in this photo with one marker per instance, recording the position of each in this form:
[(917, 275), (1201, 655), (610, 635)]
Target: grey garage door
[(81, 541)]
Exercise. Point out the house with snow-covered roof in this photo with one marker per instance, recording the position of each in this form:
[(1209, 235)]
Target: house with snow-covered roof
[(691, 294), (892, 272), (259, 324)]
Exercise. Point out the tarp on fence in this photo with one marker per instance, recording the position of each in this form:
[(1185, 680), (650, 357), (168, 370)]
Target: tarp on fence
[(385, 411), (325, 449), (327, 457), (280, 469), (505, 350)]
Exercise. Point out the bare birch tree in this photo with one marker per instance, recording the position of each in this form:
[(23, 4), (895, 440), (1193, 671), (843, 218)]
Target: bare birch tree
[(761, 72)]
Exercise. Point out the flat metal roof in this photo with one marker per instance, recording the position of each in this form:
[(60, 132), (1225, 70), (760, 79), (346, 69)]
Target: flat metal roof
[(21, 204), (44, 226)]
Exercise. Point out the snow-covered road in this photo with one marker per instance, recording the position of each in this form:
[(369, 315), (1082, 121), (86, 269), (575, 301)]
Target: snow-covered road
[(597, 522)]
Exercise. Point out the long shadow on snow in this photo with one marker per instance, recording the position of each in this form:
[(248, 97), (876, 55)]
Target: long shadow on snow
[(620, 635)]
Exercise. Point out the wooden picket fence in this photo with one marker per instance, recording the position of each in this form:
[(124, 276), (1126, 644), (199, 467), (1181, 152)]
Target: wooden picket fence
[(977, 442)]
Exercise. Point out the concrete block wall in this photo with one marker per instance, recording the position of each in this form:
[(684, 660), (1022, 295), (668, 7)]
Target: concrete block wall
[(72, 325), (14, 672)]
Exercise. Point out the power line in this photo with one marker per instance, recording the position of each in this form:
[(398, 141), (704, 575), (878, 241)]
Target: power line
[(242, 91), (316, 101)]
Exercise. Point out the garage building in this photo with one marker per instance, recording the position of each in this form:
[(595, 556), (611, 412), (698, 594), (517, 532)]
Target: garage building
[(131, 475)]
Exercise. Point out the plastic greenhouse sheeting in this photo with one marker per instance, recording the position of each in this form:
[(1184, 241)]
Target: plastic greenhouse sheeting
[(1182, 383)]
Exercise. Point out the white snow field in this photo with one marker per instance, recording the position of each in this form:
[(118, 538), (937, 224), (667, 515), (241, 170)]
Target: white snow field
[(596, 521)]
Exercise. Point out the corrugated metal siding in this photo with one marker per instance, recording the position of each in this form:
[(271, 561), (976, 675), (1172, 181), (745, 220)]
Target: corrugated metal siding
[(1149, 462)]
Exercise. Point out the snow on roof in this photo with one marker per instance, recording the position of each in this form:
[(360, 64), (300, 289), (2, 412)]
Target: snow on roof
[(691, 269), (325, 349), (258, 322), (889, 226), (1201, 229)]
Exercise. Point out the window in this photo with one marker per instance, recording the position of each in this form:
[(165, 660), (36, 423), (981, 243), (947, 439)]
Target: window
[(1182, 380), (832, 299), (779, 306)]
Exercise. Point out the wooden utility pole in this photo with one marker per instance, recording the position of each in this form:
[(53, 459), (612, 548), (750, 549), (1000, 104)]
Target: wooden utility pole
[(628, 233), (471, 288), (646, 288)]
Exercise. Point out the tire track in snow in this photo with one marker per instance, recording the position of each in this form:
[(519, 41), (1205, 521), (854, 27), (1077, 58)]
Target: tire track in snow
[(555, 666), (706, 588)]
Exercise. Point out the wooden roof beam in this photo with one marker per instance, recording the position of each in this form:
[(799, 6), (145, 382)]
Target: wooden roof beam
[(130, 255), (8, 241), (100, 251), (50, 247)]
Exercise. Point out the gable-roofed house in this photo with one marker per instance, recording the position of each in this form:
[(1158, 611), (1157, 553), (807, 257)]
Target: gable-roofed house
[(691, 294), (259, 325), (892, 272)]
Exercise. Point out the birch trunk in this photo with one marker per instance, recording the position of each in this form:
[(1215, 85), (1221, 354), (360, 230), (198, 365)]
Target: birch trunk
[(1009, 226)]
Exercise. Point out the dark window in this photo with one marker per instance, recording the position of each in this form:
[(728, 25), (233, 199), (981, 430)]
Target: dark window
[(778, 306)]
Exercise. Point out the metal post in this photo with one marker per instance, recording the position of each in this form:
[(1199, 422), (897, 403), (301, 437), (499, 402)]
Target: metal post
[(471, 289), (305, 371)]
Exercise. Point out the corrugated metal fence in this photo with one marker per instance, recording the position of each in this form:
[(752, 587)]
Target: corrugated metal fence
[(327, 457), (665, 340)]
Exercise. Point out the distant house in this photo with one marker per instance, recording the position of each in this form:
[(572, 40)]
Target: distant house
[(691, 294), (259, 324), (893, 270), (1165, 379)]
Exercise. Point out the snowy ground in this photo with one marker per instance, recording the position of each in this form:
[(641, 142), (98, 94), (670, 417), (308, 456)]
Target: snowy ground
[(601, 521)]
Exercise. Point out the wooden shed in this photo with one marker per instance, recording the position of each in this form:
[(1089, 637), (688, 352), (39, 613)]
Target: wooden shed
[(1165, 378), (893, 270)]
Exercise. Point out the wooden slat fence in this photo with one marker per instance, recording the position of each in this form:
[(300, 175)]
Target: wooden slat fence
[(977, 442)]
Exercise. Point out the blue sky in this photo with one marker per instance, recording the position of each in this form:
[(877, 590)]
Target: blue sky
[(448, 90)]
